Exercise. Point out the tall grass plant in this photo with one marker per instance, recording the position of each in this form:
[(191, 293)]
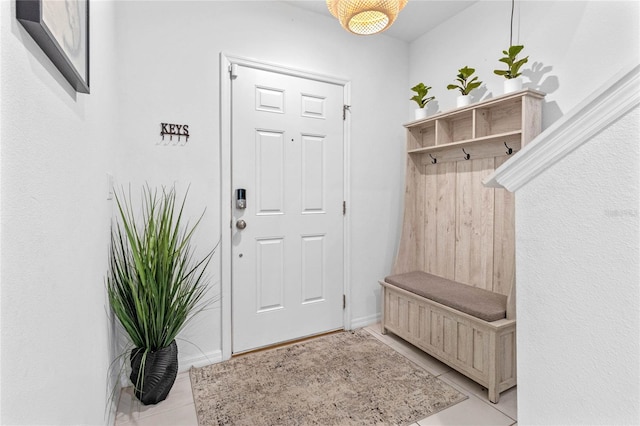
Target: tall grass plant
[(155, 285)]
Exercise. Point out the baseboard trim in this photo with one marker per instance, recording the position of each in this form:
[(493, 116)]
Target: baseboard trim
[(365, 321), (112, 405), (186, 363)]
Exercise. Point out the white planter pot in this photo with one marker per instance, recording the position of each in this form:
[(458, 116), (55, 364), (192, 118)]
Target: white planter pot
[(463, 100), (512, 85), (420, 113)]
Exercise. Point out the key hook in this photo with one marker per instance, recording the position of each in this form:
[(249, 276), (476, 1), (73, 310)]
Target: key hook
[(509, 150)]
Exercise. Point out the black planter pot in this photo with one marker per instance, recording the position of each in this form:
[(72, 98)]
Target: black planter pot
[(160, 371)]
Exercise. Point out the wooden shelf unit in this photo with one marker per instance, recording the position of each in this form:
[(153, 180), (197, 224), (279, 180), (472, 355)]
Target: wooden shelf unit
[(455, 227), (481, 129)]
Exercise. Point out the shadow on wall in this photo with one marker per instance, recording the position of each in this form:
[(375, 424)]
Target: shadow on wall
[(481, 94), (540, 79), (433, 107)]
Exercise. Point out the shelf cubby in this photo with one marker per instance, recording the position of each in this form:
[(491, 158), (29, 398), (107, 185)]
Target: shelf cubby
[(484, 129)]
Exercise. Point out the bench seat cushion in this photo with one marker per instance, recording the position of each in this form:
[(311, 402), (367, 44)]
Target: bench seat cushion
[(480, 303)]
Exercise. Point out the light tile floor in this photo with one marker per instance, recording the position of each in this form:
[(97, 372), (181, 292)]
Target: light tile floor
[(179, 410)]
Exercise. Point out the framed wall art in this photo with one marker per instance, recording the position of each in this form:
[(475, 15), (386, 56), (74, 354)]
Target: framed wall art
[(61, 29)]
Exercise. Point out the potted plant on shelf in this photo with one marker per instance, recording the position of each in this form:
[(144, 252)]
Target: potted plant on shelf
[(512, 73), (154, 286), (465, 85), (421, 99)]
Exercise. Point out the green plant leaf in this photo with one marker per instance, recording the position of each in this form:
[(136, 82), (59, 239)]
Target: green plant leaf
[(466, 72), (472, 86), (452, 87), (521, 62), (513, 65), (515, 50), (421, 91), (418, 88)]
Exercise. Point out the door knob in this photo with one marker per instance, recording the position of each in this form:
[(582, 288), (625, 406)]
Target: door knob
[(241, 224)]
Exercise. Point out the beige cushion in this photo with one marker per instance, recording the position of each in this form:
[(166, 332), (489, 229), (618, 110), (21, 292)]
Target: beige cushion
[(480, 303)]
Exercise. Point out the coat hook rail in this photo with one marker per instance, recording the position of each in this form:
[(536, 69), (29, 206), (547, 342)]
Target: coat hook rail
[(466, 156), (434, 160), (509, 150)]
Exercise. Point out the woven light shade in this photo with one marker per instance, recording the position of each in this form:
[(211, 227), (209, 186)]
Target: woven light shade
[(366, 17)]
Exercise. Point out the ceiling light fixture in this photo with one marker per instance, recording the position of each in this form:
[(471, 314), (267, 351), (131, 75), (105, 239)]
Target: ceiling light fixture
[(365, 17)]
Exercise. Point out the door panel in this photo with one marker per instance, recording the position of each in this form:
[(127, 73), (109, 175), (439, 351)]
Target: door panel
[(313, 177), (287, 152), (313, 267), (269, 172), (270, 274)]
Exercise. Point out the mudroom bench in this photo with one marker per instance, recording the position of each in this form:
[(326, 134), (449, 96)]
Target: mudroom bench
[(465, 327), (452, 292)]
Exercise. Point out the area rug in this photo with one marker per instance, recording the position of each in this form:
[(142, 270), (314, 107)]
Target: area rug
[(347, 378)]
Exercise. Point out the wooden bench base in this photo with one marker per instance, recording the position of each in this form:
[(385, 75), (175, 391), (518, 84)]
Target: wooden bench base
[(483, 351)]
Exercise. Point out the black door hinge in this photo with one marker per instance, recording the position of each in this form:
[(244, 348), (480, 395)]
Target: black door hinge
[(345, 108)]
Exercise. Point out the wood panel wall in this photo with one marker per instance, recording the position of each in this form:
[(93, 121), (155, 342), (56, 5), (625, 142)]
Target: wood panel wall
[(457, 228)]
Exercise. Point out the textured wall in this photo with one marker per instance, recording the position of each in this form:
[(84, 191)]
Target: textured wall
[(577, 233)]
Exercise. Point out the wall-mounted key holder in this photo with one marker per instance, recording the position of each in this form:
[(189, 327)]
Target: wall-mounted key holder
[(171, 130)]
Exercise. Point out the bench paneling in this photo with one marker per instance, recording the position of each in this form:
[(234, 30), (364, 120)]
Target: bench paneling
[(483, 351)]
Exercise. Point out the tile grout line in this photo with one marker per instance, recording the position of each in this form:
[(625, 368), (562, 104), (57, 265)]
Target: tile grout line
[(470, 393)]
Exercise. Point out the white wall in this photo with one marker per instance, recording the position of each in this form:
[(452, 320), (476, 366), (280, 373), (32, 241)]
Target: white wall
[(578, 232), (56, 150), (571, 46), (592, 376), (169, 72)]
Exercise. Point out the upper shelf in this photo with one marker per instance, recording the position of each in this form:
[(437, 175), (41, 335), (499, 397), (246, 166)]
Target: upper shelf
[(482, 104), (513, 118)]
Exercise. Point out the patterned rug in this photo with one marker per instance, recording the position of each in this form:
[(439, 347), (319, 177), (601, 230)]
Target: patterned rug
[(348, 378)]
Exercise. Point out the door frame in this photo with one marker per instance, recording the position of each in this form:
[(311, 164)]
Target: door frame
[(226, 192)]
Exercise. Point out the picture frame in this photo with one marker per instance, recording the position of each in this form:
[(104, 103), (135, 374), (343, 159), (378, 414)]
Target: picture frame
[(61, 29)]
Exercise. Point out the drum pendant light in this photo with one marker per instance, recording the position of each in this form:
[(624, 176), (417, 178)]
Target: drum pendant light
[(365, 17)]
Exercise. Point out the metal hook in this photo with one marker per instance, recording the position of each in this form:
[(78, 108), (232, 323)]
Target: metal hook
[(509, 150), (466, 156), (434, 160)]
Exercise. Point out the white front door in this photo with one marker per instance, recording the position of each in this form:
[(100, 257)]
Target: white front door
[(287, 154)]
